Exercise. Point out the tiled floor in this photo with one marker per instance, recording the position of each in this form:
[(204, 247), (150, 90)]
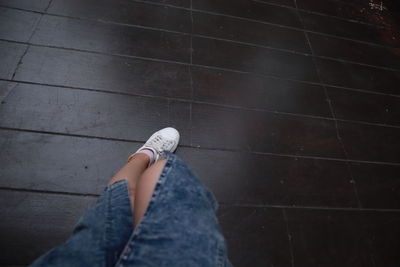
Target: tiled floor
[(289, 111)]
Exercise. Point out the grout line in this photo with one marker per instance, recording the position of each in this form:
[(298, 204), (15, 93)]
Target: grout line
[(28, 43), (293, 207), (355, 190), (272, 4), (191, 75), (232, 41), (173, 32), (2, 128), (227, 106), (191, 32), (7, 93), (205, 12), (368, 123), (191, 49), (341, 143), (284, 50), (294, 28), (21, 9), (339, 138), (252, 45), (19, 62), (358, 90), (48, 192), (169, 111), (353, 181), (343, 147), (244, 151), (191, 123), (29, 40), (383, 26), (290, 241), (339, 59), (209, 67), (92, 90), (357, 63), (221, 203)]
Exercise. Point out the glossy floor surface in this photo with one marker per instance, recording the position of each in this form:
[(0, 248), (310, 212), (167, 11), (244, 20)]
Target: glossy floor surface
[(289, 111)]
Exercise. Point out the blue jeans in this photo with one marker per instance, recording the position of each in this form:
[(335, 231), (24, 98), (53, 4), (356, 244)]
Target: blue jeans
[(179, 228)]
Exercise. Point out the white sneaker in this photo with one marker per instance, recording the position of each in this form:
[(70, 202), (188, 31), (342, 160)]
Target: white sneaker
[(166, 139)]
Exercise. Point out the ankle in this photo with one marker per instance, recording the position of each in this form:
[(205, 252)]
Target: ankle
[(144, 153)]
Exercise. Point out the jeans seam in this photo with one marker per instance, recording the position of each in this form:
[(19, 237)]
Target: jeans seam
[(220, 254), (108, 227), (113, 191)]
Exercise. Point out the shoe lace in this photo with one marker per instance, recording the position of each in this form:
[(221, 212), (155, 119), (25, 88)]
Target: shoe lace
[(160, 143)]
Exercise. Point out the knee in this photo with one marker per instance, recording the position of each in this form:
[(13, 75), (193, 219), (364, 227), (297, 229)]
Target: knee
[(149, 178), (154, 171)]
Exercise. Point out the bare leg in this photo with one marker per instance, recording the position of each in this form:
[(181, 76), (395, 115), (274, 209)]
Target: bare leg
[(166, 139), (144, 189), (132, 171)]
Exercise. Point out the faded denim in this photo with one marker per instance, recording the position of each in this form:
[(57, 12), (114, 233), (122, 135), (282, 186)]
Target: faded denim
[(179, 228)]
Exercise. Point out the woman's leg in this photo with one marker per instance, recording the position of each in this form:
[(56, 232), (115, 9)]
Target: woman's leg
[(175, 220), (145, 187), (102, 233), (131, 171)]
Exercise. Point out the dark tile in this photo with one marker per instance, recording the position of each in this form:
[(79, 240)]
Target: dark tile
[(355, 51), (370, 142), (5, 89), (126, 12), (134, 76), (359, 77), (16, 25), (328, 238), (91, 113), (10, 53), (263, 132), (346, 10), (249, 32), (360, 106), (179, 3), (111, 38), (255, 10), (326, 228), (254, 179), (384, 233), (384, 12), (348, 29), (255, 236), (392, 5), (357, 2), (361, 3), (333, 8), (253, 91), (60, 163), (33, 223), (289, 3), (37, 5), (378, 185), (253, 59)]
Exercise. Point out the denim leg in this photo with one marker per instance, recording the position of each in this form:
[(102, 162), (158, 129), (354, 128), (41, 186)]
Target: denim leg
[(100, 235), (180, 227)]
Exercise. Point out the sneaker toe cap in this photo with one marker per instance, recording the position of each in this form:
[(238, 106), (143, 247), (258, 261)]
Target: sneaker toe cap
[(170, 133)]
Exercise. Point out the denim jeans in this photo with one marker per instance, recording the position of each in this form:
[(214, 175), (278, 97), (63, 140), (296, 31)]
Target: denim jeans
[(179, 227)]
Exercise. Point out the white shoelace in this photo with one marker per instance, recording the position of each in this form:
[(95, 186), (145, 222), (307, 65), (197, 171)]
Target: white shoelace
[(160, 144)]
